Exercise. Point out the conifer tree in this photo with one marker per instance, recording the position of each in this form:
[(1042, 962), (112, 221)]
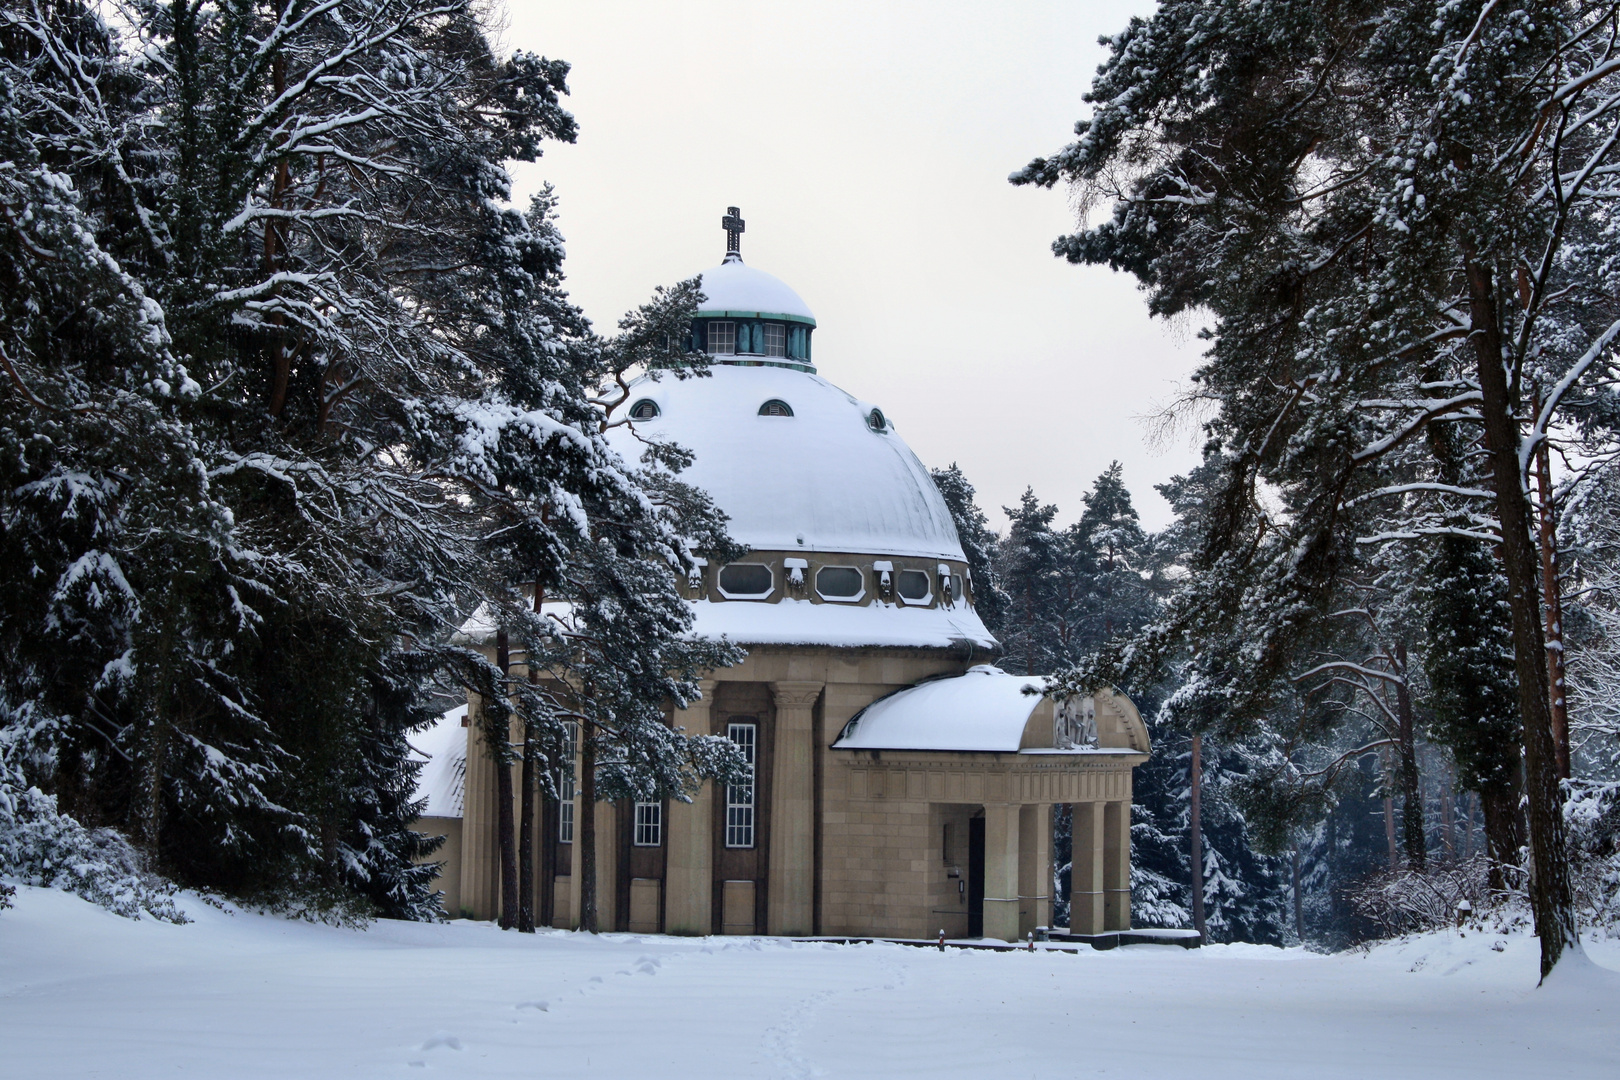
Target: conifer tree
[(978, 544), (1395, 216)]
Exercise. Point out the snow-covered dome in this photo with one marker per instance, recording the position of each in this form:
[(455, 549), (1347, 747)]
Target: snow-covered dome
[(854, 546), (735, 290), (830, 476)]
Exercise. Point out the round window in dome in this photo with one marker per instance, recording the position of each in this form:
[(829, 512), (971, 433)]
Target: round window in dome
[(746, 581), (913, 587), (840, 583), (645, 409), (875, 420), (776, 407)]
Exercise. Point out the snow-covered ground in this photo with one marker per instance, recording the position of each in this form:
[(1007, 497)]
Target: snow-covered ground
[(87, 993)]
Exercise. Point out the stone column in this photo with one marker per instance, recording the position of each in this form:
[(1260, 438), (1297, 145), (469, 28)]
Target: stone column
[(1086, 877), (480, 855), (1034, 868), (1117, 866), (689, 879), (1001, 871), (607, 865), (790, 907)]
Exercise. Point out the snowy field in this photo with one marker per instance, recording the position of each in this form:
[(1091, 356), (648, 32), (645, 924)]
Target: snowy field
[(85, 993)]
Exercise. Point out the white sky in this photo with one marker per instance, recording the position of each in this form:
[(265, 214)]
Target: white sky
[(868, 146)]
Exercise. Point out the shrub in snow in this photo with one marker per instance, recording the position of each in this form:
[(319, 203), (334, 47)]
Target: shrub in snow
[(1411, 901), (41, 846), (1592, 813)]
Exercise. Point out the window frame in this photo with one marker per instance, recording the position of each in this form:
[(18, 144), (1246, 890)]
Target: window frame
[(742, 812), (647, 829), (726, 328), (855, 598), (565, 783), (775, 343), (719, 579), (922, 601), (656, 411), (768, 402)]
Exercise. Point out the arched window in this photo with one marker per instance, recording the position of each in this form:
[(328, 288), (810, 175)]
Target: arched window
[(876, 421), (645, 409), (776, 407)]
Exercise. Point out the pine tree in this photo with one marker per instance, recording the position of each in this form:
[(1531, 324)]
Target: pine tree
[(1394, 215)]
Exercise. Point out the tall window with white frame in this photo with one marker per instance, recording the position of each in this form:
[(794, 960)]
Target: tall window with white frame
[(649, 824), (775, 339), (565, 785), (740, 797)]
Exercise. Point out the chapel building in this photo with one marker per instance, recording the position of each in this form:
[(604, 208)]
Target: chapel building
[(903, 785)]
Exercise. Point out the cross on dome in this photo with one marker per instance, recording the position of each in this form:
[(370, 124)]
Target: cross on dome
[(733, 224)]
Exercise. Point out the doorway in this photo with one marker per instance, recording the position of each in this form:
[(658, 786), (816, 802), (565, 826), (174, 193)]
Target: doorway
[(975, 881)]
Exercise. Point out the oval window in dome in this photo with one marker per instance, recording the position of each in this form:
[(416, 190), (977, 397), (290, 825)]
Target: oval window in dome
[(840, 583), (776, 407), (645, 409), (913, 586), (876, 421), (746, 581)]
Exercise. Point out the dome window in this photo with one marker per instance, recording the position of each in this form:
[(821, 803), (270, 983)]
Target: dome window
[(914, 586), (776, 407), (645, 409), (775, 339), (746, 581), (844, 583), (875, 420), (722, 337)]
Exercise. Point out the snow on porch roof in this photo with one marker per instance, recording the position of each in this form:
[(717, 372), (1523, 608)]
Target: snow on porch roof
[(985, 709)]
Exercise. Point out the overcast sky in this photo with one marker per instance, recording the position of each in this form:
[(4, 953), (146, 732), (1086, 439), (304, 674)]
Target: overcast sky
[(868, 145)]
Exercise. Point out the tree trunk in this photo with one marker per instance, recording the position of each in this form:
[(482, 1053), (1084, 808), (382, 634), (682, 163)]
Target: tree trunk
[(585, 829), (1195, 776), (1551, 898), (1548, 537), (1448, 815), (1389, 828), (1412, 824), (1299, 902), (525, 911), (1504, 831), (501, 748), (1473, 815)]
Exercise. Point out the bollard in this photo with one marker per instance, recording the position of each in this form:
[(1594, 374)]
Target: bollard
[(1032, 941), (942, 939)]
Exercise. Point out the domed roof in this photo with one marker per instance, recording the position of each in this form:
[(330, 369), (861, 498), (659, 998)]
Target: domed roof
[(735, 289), (821, 479)]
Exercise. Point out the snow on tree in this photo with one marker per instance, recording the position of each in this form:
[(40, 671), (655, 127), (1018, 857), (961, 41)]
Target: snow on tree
[(289, 389), (978, 543), (1397, 220)]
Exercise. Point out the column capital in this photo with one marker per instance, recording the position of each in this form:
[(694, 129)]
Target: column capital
[(795, 694)]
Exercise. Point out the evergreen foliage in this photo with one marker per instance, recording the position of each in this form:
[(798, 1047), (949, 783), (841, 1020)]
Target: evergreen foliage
[(1397, 218), (290, 388), (978, 544)]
